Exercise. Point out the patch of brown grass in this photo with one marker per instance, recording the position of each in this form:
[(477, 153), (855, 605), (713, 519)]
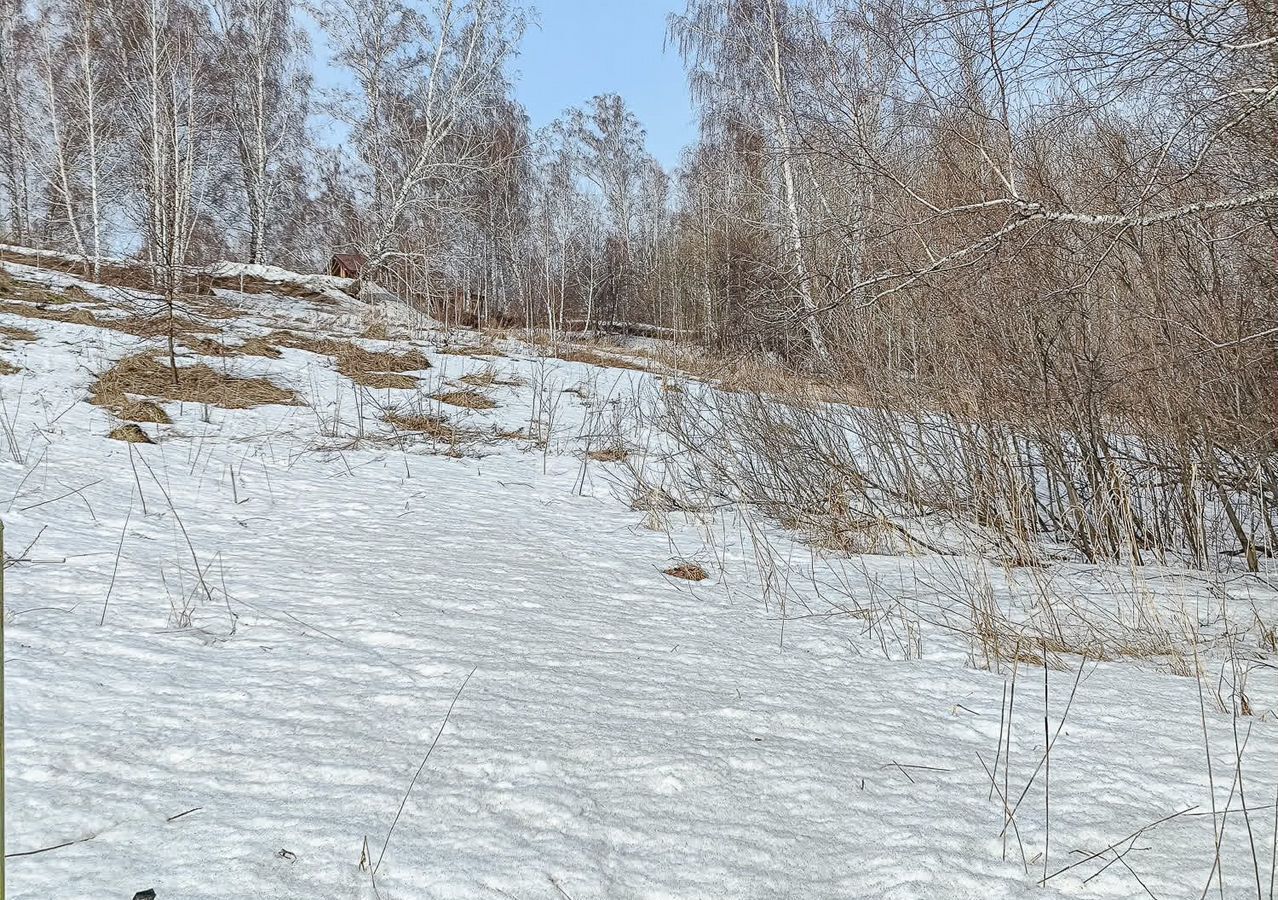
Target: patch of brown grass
[(8, 368), (466, 398), (490, 377), (206, 346), (51, 314), (212, 307), (34, 302), (157, 325), (259, 346), (485, 349), (748, 374), (14, 333), (130, 433), (370, 368), (144, 411), (246, 284), (437, 428), (609, 454), (688, 572), (144, 375), (120, 275), (383, 380), (373, 368), (594, 358)]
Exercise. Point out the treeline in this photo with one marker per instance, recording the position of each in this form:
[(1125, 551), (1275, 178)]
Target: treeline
[(185, 131), (1058, 215)]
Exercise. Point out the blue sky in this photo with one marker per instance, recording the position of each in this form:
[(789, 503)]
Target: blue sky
[(585, 47)]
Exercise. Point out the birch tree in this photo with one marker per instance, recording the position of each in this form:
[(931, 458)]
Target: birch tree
[(428, 74), (163, 61), (740, 57), (606, 144), (266, 90), (14, 141)]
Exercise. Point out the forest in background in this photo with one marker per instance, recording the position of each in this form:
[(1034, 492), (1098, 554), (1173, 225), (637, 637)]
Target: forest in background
[(1051, 226)]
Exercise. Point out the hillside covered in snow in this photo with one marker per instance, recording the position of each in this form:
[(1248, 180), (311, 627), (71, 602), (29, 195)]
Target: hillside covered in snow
[(337, 603)]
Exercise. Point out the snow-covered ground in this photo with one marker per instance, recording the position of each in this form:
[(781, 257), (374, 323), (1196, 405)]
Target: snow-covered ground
[(227, 653)]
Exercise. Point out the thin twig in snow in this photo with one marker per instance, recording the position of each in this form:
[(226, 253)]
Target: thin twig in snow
[(417, 774)]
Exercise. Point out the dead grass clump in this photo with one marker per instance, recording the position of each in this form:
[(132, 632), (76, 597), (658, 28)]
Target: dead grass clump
[(130, 433), (212, 307), (437, 428), (144, 411), (206, 346), (146, 376), (609, 454), (594, 358), (38, 303), (383, 380), (321, 345), (490, 377), (14, 333), (484, 349), (370, 368), (157, 325), (120, 275), (376, 368), (655, 500), (8, 368), (466, 398), (259, 346), (248, 284), (688, 572), (51, 314)]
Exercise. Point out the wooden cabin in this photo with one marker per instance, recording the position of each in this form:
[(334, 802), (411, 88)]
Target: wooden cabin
[(347, 265)]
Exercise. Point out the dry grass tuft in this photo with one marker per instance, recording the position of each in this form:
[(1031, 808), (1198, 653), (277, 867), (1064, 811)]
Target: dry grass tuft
[(130, 433), (383, 380), (157, 325), (609, 454), (370, 368), (437, 428), (205, 346), (144, 411), (376, 368), (51, 314), (688, 572), (490, 377), (466, 398), (259, 346), (485, 349), (213, 307), (594, 358), (37, 302), (247, 284), (14, 333), (144, 375), (8, 368)]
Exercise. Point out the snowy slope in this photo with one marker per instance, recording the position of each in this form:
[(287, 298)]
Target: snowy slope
[(291, 597)]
